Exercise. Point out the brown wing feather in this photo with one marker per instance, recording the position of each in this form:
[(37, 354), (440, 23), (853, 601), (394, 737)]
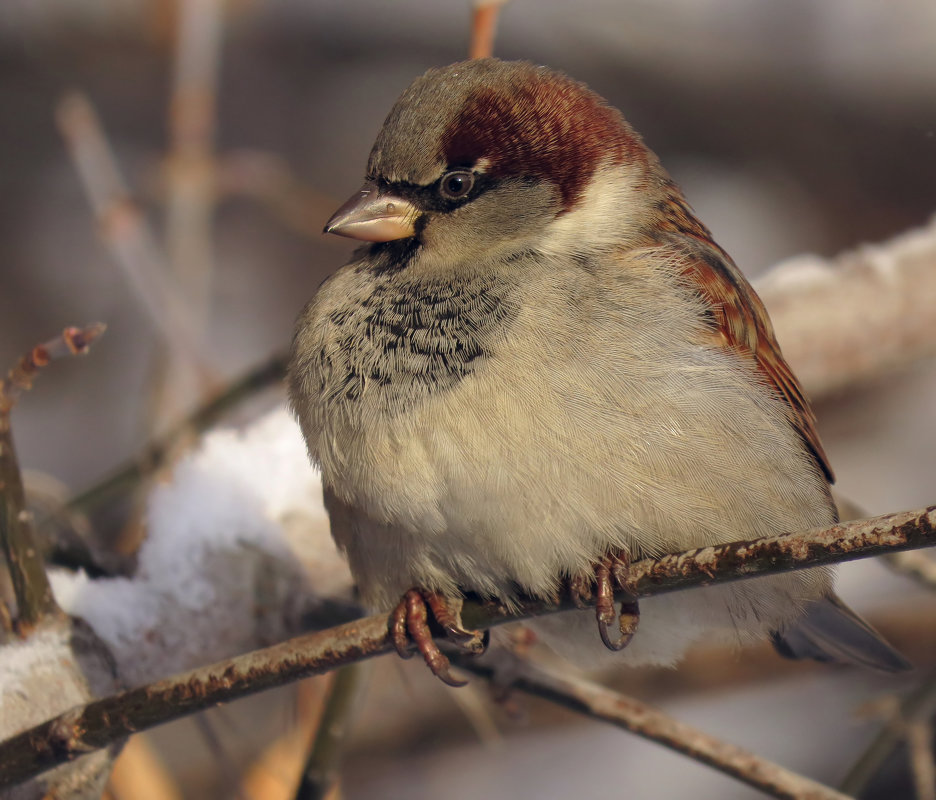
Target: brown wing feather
[(739, 315)]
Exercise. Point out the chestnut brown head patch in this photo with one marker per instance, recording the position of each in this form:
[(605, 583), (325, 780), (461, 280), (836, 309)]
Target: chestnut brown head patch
[(541, 125)]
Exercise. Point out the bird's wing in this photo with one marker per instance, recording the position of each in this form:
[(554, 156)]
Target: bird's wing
[(739, 317)]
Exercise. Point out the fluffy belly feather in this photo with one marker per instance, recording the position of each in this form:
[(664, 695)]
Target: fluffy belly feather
[(520, 472)]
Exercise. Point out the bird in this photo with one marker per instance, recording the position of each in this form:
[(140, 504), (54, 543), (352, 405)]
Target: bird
[(538, 367)]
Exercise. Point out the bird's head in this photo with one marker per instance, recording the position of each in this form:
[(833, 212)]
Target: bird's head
[(484, 158)]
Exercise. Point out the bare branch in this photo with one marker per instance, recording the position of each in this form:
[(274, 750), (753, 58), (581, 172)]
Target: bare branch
[(103, 721), (34, 600), (915, 709), (920, 745), (71, 342), (321, 768), (484, 27), (268, 179), (863, 313), (154, 455), (190, 164), (625, 712), (916, 566), (124, 229)]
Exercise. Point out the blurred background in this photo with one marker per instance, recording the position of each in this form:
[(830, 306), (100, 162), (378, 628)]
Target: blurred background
[(238, 127)]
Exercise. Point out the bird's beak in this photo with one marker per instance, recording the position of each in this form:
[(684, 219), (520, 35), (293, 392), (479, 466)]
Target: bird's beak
[(374, 217)]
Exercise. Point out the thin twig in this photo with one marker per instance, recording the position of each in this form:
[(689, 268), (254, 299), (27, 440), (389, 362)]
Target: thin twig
[(189, 172), (125, 231), (71, 342), (34, 599), (95, 725), (139, 774), (190, 164), (6, 623), (268, 179), (920, 746), (153, 456), (917, 707), (226, 763), (916, 566), (484, 28), (321, 768), (276, 773), (625, 712)]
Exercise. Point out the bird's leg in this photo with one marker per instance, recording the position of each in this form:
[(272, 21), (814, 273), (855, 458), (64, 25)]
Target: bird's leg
[(608, 574), (410, 620), (611, 574)]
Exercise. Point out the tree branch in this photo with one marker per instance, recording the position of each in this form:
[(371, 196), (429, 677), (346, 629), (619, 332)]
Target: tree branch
[(917, 708), (320, 772), (103, 721), (124, 229), (625, 712), (154, 455), (484, 27), (866, 312), (34, 600)]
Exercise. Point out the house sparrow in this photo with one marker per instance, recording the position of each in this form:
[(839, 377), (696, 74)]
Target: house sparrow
[(540, 363)]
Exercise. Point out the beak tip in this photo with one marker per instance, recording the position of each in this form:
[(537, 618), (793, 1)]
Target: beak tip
[(370, 217)]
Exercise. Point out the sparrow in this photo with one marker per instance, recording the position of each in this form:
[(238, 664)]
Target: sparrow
[(539, 367)]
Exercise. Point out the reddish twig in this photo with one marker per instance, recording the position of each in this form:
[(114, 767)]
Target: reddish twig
[(103, 721), (484, 28), (72, 341), (34, 600)]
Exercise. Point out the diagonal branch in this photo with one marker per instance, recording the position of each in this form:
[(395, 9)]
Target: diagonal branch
[(125, 477), (101, 722), (125, 230), (916, 709), (598, 702)]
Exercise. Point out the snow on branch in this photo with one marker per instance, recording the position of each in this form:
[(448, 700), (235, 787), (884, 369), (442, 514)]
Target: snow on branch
[(859, 315)]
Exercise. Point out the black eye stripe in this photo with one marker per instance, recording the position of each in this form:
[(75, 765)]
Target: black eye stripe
[(431, 197)]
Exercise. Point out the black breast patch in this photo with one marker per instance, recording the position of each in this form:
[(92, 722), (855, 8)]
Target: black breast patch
[(406, 339)]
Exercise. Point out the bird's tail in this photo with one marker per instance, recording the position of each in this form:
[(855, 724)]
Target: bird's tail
[(831, 632)]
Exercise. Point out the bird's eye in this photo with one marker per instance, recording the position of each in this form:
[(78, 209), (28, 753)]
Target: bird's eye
[(456, 185)]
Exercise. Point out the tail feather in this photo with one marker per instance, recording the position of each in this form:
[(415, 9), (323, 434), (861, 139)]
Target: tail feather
[(831, 632)]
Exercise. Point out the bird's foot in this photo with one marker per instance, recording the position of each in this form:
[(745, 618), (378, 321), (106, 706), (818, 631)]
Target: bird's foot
[(608, 575), (412, 620)]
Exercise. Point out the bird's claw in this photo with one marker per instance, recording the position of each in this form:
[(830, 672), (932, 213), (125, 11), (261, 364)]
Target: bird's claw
[(609, 574), (410, 622)]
